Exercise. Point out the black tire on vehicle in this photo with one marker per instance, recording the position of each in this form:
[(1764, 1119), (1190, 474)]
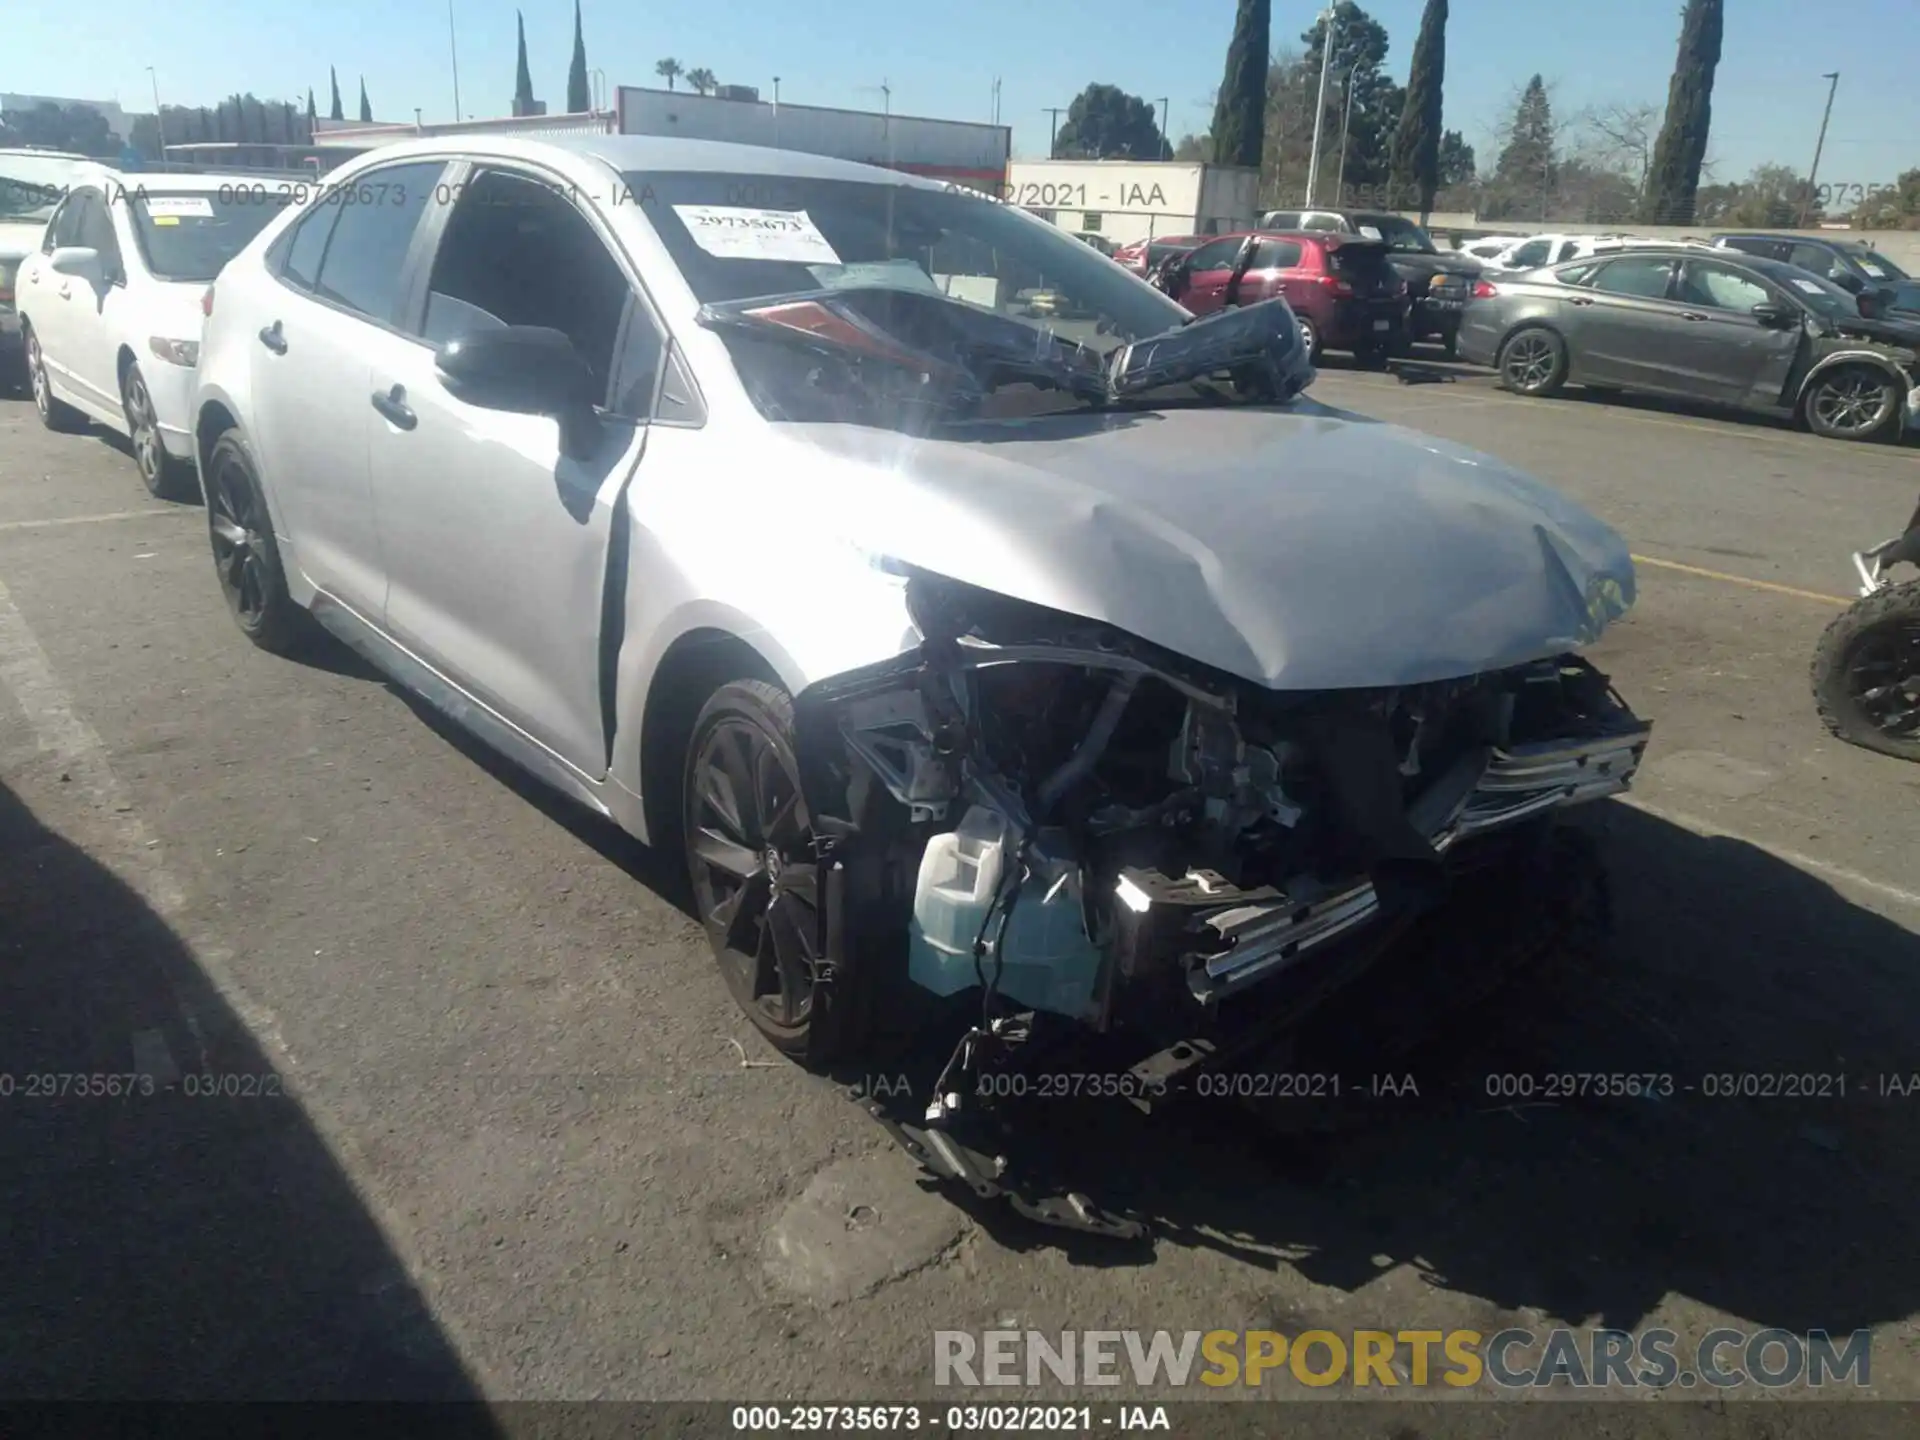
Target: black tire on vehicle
[(747, 836), (54, 413), (1373, 355), (165, 477), (1854, 402), (1450, 343), (1866, 672), (1532, 361), (245, 558)]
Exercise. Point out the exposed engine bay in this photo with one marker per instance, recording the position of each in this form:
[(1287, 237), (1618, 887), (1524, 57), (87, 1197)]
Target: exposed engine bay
[(1065, 822)]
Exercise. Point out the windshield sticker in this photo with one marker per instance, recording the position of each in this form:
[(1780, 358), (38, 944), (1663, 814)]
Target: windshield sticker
[(735, 233), (198, 205), (1812, 287), (1874, 270), (1372, 232), (166, 219)]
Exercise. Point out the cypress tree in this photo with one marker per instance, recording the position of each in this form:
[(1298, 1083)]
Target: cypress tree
[(1674, 178), (366, 108), (1240, 114), (337, 113), (311, 113), (523, 78), (1416, 142), (579, 97)]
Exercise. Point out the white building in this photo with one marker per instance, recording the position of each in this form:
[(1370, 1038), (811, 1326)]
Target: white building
[(1128, 200)]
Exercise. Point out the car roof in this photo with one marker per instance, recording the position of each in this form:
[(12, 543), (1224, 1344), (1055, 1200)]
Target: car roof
[(659, 154)]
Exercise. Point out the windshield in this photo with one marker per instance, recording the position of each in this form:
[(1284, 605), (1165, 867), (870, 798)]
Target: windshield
[(1878, 266), (1819, 295), (1402, 236), (190, 236)]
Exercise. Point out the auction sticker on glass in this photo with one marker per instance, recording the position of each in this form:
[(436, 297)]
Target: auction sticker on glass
[(195, 205), (734, 232)]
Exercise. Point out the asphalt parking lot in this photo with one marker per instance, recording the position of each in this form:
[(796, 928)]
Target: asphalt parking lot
[(504, 1135)]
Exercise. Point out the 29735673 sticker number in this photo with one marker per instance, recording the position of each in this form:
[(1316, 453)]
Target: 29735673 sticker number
[(826, 1417)]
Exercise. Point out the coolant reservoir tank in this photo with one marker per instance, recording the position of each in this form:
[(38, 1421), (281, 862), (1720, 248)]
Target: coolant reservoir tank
[(959, 875)]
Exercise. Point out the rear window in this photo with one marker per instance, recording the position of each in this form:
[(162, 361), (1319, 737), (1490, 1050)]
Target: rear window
[(1356, 262), (191, 235)]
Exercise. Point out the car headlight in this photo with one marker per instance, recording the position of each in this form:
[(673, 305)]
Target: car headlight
[(175, 352)]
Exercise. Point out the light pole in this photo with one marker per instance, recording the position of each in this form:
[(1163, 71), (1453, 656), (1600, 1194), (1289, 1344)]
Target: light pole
[(1346, 121), (1053, 140), (453, 48), (1162, 102), (1832, 77), (776, 112), (159, 124), (1320, 105)]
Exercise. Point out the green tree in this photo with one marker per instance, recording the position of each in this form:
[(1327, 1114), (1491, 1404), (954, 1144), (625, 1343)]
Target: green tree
[(1194, 147), (1239, 116), (1356, 143), (78, 128), (668, 70), (312, 115), (366, 106), (1523, 176), (579, 96), (1673, 181), (522, 76), (1416, 141), (703, 80), (337, 113), (1105, 121), (1456, 160)]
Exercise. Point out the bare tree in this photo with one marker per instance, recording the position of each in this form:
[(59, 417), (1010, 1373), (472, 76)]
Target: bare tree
[(1620, 137)]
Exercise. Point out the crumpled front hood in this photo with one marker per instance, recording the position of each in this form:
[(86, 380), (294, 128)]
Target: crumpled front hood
[(1301, 549)]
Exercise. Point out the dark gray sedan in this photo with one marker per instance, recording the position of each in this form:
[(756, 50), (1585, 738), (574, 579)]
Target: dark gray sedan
[(1717, 327)]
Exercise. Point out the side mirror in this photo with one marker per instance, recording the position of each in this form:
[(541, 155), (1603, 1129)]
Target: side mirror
[(1774, 317), (526, 370), (1847, 280), (80, 261)]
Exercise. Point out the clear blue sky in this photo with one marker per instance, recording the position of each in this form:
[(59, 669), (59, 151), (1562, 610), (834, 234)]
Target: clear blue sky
[(942, 59)]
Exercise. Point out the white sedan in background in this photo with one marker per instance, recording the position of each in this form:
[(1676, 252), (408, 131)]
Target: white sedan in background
[(111, 304)]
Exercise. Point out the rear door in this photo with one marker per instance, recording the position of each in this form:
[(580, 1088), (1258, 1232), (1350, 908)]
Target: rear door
[(40, 289), (339, 278), (1722, 353), (99, 314), (1273, 273), (1209, 269), (1620, 325)]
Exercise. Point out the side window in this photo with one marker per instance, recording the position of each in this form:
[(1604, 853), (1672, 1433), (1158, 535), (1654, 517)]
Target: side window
[(1324, 222), (1642, 275), (1215, 255), (1530, 255), (1703, 282), (301, 248), (96, 232), (1578, 274), (517, 252), (64, 227), (1282, 220), (1820, 261), (1568, 249), (366, 254), (637, 366), (1276, 255)]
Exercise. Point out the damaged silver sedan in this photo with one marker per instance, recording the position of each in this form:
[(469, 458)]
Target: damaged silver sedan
[(1007, 650)]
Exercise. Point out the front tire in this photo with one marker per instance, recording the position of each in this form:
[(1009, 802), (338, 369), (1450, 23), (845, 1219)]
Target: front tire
[(245, 556), (749, 848), (1854, 402), (165, 477), (1533, 361), (1866, 672), (54, 412)]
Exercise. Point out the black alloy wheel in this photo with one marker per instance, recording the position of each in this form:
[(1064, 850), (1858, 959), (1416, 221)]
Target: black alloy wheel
[(750, 857), (245, 557), (1853, 403), (1533, 362)]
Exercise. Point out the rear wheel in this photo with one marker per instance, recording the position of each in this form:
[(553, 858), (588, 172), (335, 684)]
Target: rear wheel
[(1854, 402), (165, 477), (54, 413), (245, 556), (749, 847), (1533, 361), (1309, 338), (1866, 672)]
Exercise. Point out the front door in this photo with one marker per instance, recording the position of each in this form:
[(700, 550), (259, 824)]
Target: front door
[(48, 297), (1209, 271), (496, 542), (1722, 353)]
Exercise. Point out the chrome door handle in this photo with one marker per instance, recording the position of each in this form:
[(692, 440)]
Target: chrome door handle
[(1693, 315), (1581, 302)]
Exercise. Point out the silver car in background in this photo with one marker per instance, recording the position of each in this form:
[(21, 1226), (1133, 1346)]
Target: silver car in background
[(1705, 325), (963, 654)]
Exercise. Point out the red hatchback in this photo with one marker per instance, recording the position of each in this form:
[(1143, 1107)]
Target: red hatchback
[(1342, 288)]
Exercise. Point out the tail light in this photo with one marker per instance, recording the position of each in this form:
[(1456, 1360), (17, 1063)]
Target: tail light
[(1336, 284), (1485, 290), (206, 301)]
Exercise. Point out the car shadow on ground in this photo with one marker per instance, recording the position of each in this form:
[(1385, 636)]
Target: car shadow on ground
[(1501, 1183), (176, 1244), (1696, 410)]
